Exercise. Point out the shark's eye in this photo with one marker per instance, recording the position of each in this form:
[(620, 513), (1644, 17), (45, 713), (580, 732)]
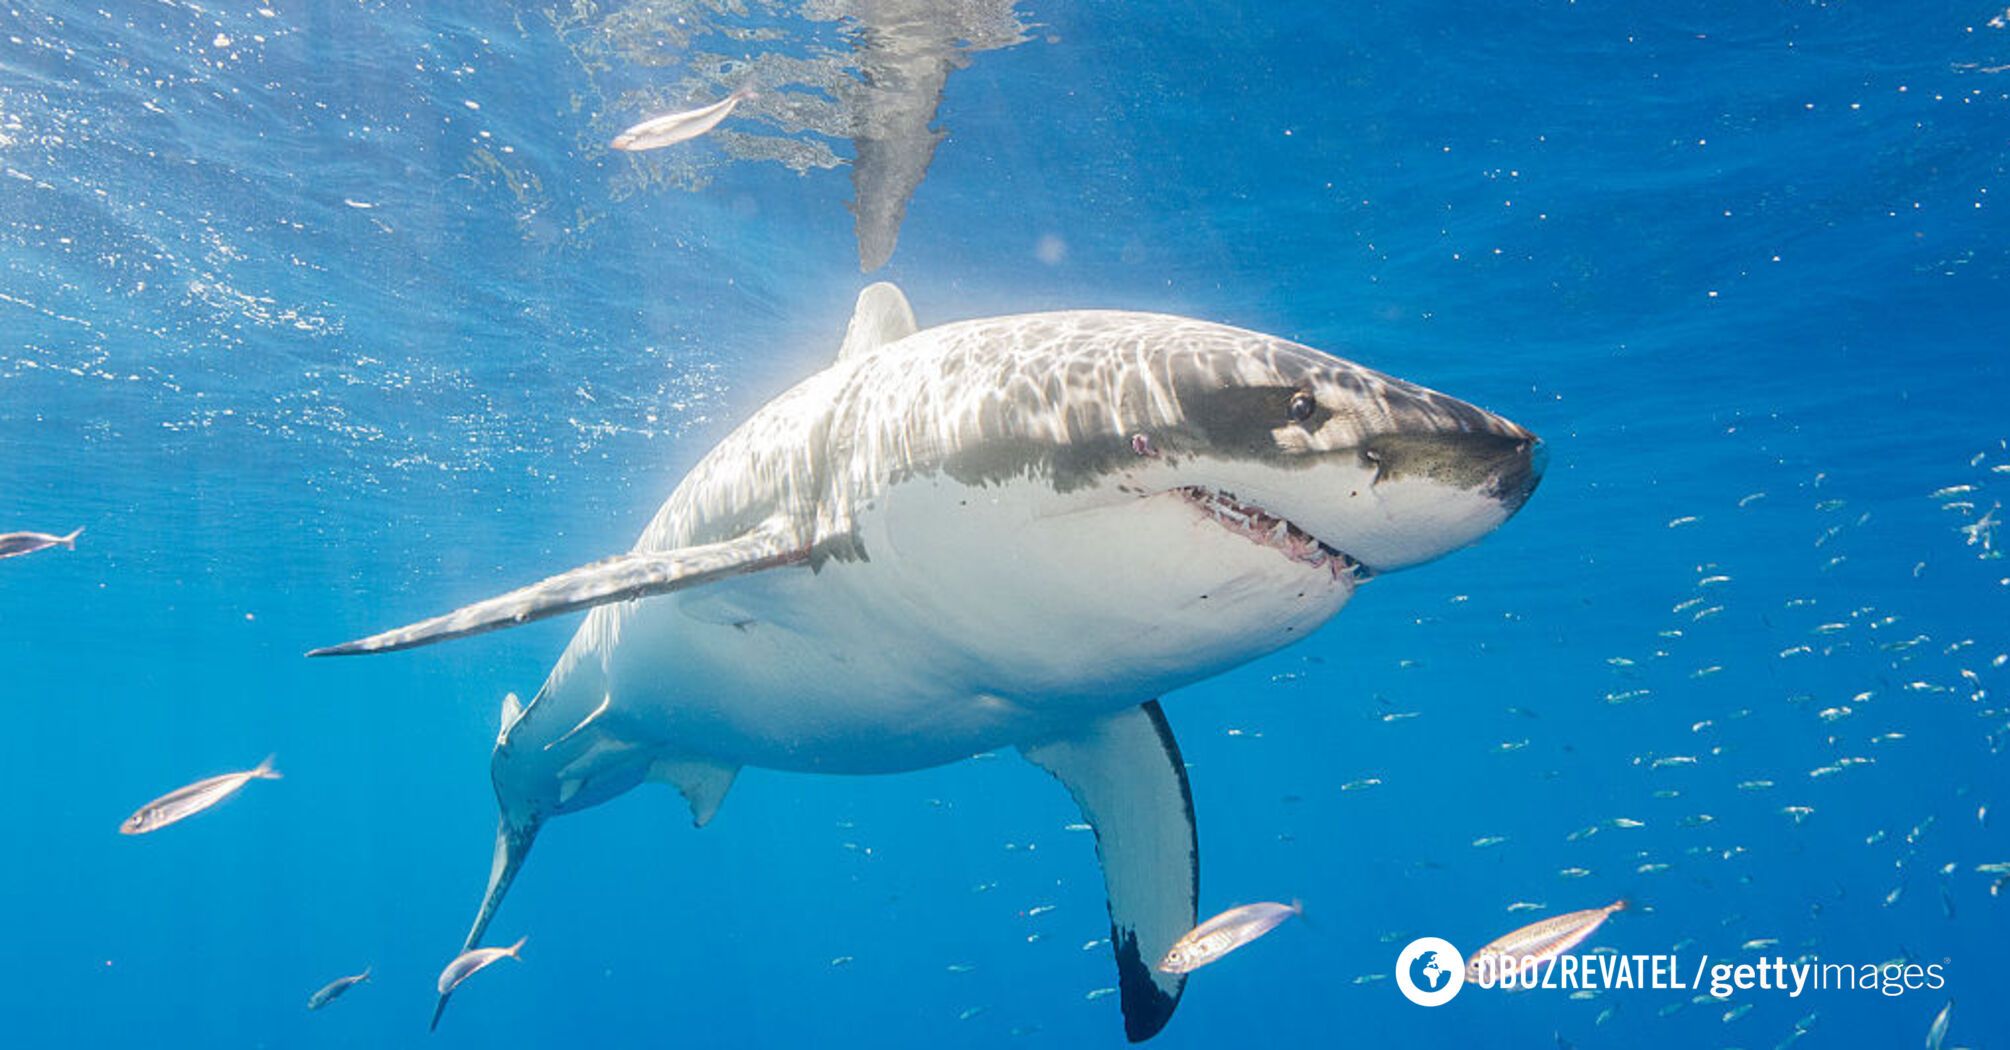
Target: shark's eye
[(1302, 406)]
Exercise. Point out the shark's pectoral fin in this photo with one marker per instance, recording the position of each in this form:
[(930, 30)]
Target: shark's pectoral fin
[(621, 578), (512, 846), (703, 783), (1126, 774)]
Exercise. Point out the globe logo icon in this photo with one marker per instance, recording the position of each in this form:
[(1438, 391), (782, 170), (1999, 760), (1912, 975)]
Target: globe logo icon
[(1429, 971), (1426, 974)]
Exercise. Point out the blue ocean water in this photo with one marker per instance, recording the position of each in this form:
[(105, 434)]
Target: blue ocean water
[(321, 318)]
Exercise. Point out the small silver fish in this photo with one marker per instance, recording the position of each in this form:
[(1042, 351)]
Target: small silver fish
[(672, 128), (334, 989), (1936, 1033), (1539, 941), (182, 803), (15, 544), (1223, 934), (473, 961)]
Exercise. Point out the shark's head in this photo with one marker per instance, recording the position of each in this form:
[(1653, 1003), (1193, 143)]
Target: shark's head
[(1124, 503), (1286, 444), (1296, 446)]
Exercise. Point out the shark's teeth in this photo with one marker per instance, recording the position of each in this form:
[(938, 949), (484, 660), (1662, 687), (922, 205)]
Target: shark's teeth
[(1260, 526)]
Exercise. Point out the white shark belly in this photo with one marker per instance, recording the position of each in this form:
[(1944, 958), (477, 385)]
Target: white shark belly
[(965, 629), (825, 685)]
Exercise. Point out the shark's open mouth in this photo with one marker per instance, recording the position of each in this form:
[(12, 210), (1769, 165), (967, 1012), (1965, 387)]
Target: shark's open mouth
[(1260, 526)]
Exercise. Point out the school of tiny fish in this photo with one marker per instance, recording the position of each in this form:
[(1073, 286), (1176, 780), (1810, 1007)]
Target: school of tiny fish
[(1856, 728), (1896, 662)]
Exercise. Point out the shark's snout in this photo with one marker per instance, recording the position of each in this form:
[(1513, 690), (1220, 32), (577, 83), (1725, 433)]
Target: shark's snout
[(1439, 480), (1520, 473), (1508, 457), (1502, 462)]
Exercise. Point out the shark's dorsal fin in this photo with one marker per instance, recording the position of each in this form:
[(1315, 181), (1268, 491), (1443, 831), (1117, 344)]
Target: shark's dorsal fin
[(702, 782), (882, 316), (1126, 774), (623, 577)]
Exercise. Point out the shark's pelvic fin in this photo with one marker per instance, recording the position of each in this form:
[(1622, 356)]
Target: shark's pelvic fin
[(621, 578), (512, 710), (703, 783), (882, 316), (1126, 774), (512, 846)]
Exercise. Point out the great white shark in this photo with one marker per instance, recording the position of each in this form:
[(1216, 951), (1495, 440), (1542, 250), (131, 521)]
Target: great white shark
[(1011, 532)]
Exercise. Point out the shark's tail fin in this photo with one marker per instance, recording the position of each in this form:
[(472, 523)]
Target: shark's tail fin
[(512, 846), (70, 542)]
